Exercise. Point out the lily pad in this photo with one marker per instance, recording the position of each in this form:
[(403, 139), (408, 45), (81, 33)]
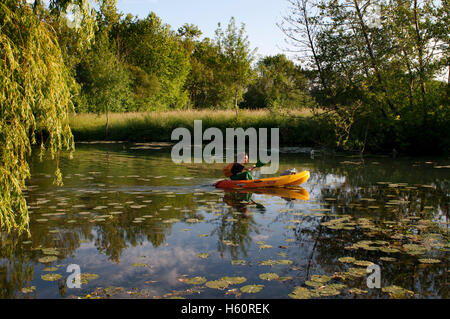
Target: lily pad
[(397, 292), (47, 259), (238, 262), (234, 280), (203, 255), (268, 262), (195, 280), (284, 262), (357, 291), (252, 288), (138, 265), (313, 283), (269, 276), (346, 260), (51, 277), (300, 293), (217, 284), (364, 263), (429, 261), (27, 290), (320, 278), (86, 277)]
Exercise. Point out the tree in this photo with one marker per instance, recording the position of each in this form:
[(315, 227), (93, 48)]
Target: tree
[(157, 50), (204, 82), (237, 58), (34, 97), (280, 84), (105, 80)]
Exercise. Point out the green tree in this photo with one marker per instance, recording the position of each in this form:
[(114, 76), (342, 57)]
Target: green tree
[(34, 97), (280, 84), (105, 80), (237, 58), (157, 50), (204, 82)]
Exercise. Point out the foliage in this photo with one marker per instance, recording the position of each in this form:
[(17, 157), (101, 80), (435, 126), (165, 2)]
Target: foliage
[(387, 57), (35, 97), (152, 47), (280, 84), (236, 58)]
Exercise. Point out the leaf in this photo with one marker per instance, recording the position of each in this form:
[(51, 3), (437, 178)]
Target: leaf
[(51, 277), (252, 288), (217, 284), (300, 293), (47, 259), (195, 280), (269, 276), (234, 280)]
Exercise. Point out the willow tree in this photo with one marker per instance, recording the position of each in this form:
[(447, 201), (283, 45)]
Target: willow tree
[(35, 101)]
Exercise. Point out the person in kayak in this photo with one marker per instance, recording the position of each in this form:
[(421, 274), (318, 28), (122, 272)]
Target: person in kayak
[(239, 171)]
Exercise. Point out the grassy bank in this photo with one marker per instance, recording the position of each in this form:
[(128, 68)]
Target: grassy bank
[(298, 129)]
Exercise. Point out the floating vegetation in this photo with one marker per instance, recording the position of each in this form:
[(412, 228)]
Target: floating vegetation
[(238, 262), (251, 289), (268, 262), (363, 263), (269, 276), (397, 292), (355, 273), (312, 283), (347, 260), (357, 291), (284, 262), (86, 277), (27, 290), (234, 280), (47, 259), (326, 291), (320, 278), (51, 277), (217, 284), (300, 293), (193, 281), (429, 261), (203, 255)]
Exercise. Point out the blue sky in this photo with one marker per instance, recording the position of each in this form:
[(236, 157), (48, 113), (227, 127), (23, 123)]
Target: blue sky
[(260, 17)]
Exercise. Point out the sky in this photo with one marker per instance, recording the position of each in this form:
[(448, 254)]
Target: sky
[(259, 16)]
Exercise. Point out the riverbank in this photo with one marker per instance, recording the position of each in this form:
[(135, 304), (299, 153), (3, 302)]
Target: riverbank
[(297, 130)]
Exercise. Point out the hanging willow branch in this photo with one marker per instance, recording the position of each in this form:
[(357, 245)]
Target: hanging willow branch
[(34, 95)]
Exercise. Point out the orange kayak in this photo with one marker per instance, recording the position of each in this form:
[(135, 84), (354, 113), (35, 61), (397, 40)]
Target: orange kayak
[(280, 181)]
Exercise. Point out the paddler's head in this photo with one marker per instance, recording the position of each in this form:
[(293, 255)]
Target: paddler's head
[(242, 158)]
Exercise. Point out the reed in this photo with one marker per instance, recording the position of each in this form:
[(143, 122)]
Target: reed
[(298, 128)]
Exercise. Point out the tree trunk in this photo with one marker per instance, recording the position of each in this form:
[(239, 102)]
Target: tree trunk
[(372, 57), (107, 123)]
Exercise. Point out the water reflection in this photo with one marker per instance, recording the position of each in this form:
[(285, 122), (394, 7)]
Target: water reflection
[(142, 223)]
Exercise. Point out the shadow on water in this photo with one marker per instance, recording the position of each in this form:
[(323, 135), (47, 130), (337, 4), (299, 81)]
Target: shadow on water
[(144, 227)]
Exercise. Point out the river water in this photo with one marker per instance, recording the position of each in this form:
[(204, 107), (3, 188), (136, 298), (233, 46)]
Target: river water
[(137, 225)]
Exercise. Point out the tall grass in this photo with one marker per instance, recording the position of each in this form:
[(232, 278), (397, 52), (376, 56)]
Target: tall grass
[(158, 126)]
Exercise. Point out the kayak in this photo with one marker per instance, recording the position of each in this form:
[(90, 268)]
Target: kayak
[(280, 181), (292, 193)]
